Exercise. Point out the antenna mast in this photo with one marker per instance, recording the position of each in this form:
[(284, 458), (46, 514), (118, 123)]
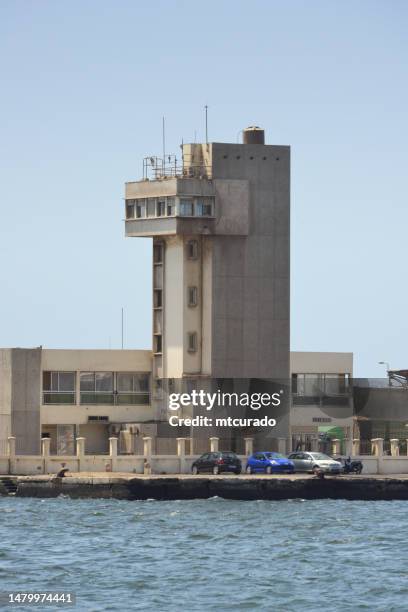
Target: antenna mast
[(206, 124), (164, 144)]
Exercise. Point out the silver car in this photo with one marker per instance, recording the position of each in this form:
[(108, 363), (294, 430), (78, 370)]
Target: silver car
[(308, 462)]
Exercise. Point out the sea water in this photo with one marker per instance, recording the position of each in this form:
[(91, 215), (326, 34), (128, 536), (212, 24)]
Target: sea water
[(205, 555)]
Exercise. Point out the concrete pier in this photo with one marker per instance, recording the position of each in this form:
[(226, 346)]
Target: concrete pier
[(275, 487)]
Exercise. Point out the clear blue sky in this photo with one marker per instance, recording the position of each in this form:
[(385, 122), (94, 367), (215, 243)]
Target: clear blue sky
[(85, 84)]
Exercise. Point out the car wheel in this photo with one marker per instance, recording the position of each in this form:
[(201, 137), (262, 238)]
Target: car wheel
[(315, 469), (194, 470), (249, 469), (216, 470), (268, 470), (237, 471)]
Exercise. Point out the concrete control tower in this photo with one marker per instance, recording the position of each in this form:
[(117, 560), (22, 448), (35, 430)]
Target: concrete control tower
[(220, 227)]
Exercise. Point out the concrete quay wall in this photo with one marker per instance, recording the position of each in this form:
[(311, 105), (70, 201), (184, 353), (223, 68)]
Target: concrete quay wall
[(228, 487)]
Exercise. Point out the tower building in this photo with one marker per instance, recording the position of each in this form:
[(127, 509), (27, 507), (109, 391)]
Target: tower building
[(220, 227)]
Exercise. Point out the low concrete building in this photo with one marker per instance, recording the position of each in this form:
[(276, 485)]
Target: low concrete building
[(322, 401), (66, 394), (96, 394)]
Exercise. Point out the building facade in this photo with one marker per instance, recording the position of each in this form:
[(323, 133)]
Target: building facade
[(220, 225), (322, 401)]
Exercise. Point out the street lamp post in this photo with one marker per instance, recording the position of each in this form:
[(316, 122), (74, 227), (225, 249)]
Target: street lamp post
[(388, 370)]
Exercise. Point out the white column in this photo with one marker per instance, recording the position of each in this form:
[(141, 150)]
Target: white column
[(45, 447), (181, 452), (377, 447), (147, 447), (80, 447), (147, 452), (249, 446), (113, 447), (214, 445), (356, 447), (181, 447), (336, 446), (394, 447), (11, 446)]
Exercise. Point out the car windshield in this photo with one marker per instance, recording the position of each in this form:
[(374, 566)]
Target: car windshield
[(321, 457), (274, 456)]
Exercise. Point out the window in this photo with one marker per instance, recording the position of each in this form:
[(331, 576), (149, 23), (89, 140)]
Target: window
[(186, 208), (316, 385), (204, 208), (132, 388), (158, 346), (161, 207), (192, 249), (157, 298), (96, 388), (59, 388), (158, 253), (140, 209), (151, 207), (171, 207), (192, 342), (130, 209), (192, 296)]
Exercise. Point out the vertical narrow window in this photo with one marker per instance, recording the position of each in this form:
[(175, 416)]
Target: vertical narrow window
[(158, 253), (186, 208), (171, 207), (294, 383), (157, 298), (140, 209), (130, 209), (204, 207), (192, 249), (192, 342), (161, 207), (158, 344), (192, 293)]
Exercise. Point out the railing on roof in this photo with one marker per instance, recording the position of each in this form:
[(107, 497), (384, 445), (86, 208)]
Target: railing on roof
[(157, 168)]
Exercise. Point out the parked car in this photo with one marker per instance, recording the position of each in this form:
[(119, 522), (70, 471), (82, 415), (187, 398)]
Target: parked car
[(269, 462), (310, 462), (217, 463)]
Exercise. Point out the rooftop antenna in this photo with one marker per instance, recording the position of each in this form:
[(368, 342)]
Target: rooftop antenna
[(122, 328), (206, 124), (164, 144)]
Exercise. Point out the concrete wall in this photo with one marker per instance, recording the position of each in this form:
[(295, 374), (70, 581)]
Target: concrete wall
[(309, 362), (5, 398), (96, 360), (251, 274), (25, 399)]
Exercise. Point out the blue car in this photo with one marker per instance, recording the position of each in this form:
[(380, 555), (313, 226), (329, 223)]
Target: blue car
[(269, 463)]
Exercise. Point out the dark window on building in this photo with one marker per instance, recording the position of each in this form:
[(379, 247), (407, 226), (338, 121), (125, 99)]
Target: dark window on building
[(130, 209), (192, 342), (161, 208), (192, 249), (192, 293), (96, 388), (157, 298), (158, 253), (171, 207), (186, 208), (158, 347), (204, 208), (140, 209), (59, 387)]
